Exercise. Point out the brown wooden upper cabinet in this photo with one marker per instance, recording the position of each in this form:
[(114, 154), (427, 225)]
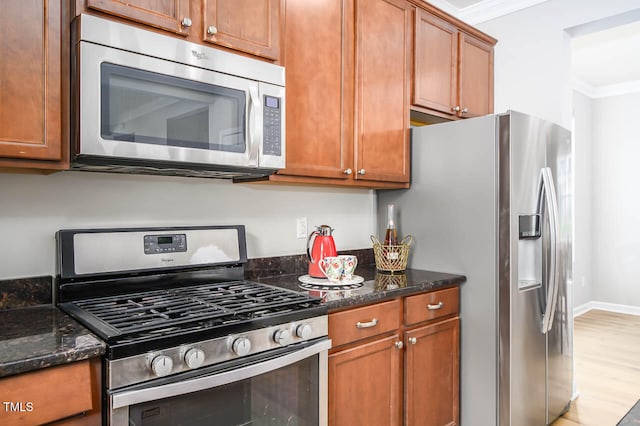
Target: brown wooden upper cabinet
[(319, 78), (170, 15), (30, 83), (251, 26), (453, 70), (383, 55), (347, 65)]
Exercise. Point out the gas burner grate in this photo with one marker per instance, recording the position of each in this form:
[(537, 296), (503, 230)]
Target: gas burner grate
[(147, 313)]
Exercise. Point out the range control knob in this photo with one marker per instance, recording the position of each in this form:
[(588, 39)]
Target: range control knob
[(304, 331), (241, 346), (162, 365), (194, 358), (282, 337)]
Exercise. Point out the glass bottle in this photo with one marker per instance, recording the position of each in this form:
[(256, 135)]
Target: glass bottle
[(391, 235)]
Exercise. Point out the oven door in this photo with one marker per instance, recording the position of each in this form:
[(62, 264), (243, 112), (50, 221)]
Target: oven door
[(287, 389), (138, 107)]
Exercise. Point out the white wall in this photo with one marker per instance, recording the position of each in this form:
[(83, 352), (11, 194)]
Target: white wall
[(616, 200), (583, 225), (34, 207), (532, 57)]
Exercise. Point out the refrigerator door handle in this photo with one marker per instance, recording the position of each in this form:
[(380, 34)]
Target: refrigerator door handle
[(547, 198)]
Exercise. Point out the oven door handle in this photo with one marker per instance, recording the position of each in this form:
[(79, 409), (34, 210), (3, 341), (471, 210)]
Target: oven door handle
[(128, 398)]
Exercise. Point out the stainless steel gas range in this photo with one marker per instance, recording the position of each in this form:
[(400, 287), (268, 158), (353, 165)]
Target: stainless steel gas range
[(189, 341)]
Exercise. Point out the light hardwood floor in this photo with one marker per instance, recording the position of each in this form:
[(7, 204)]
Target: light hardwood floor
[(607, 368)]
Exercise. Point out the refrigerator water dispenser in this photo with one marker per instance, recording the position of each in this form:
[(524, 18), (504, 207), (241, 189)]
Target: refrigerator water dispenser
[(529, 252)]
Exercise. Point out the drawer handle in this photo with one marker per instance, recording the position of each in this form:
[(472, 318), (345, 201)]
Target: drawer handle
[(435, 307), (369, 324)]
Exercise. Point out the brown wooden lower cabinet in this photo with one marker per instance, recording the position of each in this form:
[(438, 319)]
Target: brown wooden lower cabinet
[(396, 362), (67, 394), (432, 374), (364, 384)]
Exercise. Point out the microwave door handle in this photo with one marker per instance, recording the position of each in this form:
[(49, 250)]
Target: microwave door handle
[(255, 124), (139, 396)]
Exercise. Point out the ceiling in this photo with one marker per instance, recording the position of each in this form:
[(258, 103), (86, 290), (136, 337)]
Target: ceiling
[(604, 53), (606, 62)]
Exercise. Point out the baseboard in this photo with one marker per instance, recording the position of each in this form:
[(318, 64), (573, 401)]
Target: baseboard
[(604, 306), (582, 309)]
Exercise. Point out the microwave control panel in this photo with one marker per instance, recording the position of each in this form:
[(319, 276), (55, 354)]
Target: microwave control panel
[(272, 126)]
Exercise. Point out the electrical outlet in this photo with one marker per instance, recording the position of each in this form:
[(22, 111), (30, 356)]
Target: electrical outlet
[(301, 227)]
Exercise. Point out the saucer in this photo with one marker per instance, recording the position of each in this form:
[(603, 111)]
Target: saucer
[(310, 283)]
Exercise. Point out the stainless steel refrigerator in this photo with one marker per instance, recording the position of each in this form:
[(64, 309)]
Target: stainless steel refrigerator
[(492, 198)]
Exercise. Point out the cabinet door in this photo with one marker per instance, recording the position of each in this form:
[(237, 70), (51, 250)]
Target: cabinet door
[(30, 103), (435, 74), (476, 76), (432, 374), (252, 26), (383, 31), (52, 393), (318, 73), (364, 385), (165, 14)]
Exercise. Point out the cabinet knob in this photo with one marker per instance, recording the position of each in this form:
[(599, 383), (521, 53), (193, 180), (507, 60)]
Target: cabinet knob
[(464, 111), (212, 30), (413, 340), (186, 22), (399, 345), (348, 171), (456, 108), (362, 171)]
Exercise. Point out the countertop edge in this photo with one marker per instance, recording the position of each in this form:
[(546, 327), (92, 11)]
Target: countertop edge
[(377, 287), (38, 337)]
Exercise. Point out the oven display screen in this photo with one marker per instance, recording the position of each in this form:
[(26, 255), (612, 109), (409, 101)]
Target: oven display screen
[(172, 243), (165, 240)]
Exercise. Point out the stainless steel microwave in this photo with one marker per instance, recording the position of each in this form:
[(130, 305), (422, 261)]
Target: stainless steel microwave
[(144, 102)]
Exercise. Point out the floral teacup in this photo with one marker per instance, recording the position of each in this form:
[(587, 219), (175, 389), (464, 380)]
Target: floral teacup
[(332, 268), (349, 263)]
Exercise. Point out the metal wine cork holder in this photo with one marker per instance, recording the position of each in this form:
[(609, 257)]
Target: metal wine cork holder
[(391, 258)]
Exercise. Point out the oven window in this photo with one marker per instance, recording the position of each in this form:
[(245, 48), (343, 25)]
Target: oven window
[(287, 396), (146, 107)]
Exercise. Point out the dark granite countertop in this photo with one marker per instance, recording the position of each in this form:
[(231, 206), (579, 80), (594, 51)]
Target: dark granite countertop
[(632, 418), (42, 336), (376, 286), (34, 336)]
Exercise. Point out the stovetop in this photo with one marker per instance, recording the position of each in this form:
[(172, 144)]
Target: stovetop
[(157, 289), (143, 321)]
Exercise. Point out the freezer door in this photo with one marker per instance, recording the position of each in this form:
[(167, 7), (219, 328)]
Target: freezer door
[(522, 291), (560, 337)]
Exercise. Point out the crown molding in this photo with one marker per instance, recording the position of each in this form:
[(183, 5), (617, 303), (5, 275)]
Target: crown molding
[(583, 87), (606, 91), (445, 6), (490, 9), (485, 10)]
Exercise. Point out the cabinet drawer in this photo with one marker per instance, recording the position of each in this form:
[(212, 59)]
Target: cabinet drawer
[(429, 306), (46, 395), (360, 323)]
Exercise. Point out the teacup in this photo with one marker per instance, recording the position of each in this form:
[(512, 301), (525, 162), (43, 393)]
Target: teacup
[(349, 264), (332, 268)]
